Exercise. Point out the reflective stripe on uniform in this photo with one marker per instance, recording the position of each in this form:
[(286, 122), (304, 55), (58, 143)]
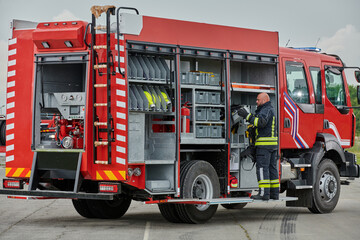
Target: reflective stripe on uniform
[(264, 183), (248, 116), (256, 121), (267, 139), (274, 183), (265, 143), (273, 127)]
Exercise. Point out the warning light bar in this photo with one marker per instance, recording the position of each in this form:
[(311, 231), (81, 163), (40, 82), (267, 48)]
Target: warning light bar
[(109, 187), (11, 183), (309, 49)]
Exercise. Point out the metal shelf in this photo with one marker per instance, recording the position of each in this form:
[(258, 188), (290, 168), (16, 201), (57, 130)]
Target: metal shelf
[(148, 81), (154, 112), (202, 87), (202, 141), (209, 105), (148, 162), (209, 122)]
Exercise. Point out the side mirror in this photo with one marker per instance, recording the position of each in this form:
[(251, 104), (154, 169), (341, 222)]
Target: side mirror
[(334, 70), (357, 76), (358, 94)]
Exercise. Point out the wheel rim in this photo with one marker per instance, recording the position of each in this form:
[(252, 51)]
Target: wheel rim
[(328, 186), (202, 188)]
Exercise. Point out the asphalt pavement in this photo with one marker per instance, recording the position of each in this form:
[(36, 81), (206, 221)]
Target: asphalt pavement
[(57, 219)]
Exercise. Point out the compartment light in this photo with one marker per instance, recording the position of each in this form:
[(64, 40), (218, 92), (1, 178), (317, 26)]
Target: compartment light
[(45, 44), (68, 44)]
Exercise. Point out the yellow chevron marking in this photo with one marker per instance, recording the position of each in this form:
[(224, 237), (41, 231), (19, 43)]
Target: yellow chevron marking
[(7, 170), (123, 174), (98, 177), (28, 174), (18, 172), (110, 175)]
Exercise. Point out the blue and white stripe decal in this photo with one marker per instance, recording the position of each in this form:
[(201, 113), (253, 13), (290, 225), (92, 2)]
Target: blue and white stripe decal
[(293, 111)]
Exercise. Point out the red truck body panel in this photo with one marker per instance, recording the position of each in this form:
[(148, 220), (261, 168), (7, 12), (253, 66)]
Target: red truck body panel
[(183, 33)]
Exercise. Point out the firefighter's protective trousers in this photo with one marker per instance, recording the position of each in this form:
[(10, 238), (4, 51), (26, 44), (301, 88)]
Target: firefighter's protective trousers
[(267, 172)]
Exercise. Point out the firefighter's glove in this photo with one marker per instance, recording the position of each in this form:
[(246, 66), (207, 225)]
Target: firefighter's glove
[(248, 152), (243, 112)]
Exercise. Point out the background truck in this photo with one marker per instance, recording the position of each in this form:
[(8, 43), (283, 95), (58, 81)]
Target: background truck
[(140, 109)]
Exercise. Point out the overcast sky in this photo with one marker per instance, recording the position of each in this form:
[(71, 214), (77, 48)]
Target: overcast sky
[(335, 22)]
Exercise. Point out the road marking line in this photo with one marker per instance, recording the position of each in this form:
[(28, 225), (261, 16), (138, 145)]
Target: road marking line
[(147, 231)]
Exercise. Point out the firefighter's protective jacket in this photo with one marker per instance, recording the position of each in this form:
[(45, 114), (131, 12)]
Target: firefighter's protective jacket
[(264, 121)]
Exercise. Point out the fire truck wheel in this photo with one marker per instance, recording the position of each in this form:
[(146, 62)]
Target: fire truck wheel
[(82, 208), (169, 212), (109, 209), (2, 133), (198, 180), (326, 190), (234, 205)]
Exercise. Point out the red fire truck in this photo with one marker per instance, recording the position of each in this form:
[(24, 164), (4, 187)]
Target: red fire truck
[(139, 108)]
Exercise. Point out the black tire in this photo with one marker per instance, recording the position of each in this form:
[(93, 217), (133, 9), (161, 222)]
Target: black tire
[(234, 205), (198, 180), (169, 212), (82, 208), (3, 133), (109, 209), (326, 189)]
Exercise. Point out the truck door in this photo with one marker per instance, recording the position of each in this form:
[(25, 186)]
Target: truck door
[(299, 121), (337, 121)]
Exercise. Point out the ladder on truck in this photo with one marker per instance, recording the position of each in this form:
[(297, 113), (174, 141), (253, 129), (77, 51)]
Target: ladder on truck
[(100, 126)]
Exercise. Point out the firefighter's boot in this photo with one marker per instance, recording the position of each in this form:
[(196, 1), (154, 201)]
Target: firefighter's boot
[(260, 197)]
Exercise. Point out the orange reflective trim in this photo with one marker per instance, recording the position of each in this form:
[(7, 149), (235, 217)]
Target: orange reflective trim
[(18, 172), (251, 87), (109, 175)]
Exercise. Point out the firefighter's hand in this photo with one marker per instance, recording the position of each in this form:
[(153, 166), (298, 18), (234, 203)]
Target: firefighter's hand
[(243, 112)]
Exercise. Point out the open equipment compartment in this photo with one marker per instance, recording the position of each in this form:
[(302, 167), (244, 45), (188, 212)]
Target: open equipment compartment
[(152, 125), (59, 102), (203, 93), (249, 76)]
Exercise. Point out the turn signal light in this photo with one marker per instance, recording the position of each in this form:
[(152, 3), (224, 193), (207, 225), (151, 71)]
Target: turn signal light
[(15, 184), (109, 187)]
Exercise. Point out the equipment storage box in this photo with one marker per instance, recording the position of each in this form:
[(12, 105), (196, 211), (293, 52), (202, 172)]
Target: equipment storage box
[(184, 78), (215, 131), (202, 131), (190, 78), (213, 79), (213, 114), (214, 98), (201, 97), (201, 114)]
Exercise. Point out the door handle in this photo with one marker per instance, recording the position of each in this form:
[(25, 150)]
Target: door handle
[(287, 123), (326, 124)]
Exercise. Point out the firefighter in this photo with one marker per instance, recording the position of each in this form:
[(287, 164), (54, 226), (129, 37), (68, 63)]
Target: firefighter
[(266, 142)]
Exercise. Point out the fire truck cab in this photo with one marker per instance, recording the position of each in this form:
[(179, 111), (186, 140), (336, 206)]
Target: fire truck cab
[(140, 108)]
